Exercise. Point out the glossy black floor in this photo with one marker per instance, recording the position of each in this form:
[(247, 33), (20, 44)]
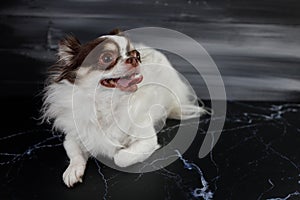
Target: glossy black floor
[(256, 157), (255, 44)]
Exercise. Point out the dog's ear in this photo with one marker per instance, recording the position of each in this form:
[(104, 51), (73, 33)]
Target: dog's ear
[(116, 32), (68, 49)]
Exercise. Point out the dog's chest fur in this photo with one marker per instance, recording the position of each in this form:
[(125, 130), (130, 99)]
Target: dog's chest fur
[(103, 133)]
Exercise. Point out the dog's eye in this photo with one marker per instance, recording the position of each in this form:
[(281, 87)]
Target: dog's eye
[(106, 58)]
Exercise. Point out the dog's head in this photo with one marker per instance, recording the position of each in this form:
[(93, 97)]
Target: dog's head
[(111, 58)]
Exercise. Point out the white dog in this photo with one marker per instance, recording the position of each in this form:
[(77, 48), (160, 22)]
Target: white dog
[(107, 96)]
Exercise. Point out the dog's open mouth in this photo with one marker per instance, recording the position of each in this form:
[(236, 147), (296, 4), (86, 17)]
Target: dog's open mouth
[(125, 83)]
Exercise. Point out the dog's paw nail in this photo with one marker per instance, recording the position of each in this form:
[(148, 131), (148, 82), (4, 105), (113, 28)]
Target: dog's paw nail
[(73, 174)]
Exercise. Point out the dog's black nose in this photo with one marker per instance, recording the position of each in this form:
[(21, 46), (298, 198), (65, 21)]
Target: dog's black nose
[(132, 61)]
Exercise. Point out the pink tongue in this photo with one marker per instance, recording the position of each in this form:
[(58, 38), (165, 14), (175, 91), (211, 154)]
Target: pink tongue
[(124, 82)]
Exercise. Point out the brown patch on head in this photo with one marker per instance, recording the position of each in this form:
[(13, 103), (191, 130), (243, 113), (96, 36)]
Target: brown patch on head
[(68, 48), (107, 55), (71, 55), (116, 32)]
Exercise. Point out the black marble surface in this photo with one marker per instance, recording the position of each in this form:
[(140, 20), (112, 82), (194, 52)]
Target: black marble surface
[(255, 45), (256, 157)]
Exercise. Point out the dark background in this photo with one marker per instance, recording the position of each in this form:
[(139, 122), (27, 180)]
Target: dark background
[(255, 45)]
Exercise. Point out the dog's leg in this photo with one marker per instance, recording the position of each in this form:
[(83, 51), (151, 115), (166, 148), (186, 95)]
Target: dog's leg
[(139, 151), (78, 159)]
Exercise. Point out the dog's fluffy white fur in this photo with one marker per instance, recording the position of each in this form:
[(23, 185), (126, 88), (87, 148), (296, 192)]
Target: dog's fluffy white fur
[(97, 120)]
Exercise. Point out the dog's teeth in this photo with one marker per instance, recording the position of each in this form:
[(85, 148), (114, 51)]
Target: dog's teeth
[(111, 81)]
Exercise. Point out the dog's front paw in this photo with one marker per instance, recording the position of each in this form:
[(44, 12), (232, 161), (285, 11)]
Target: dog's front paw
[(74, 174)]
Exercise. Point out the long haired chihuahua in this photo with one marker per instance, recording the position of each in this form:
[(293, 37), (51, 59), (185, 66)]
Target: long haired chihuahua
[(108, 97)]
